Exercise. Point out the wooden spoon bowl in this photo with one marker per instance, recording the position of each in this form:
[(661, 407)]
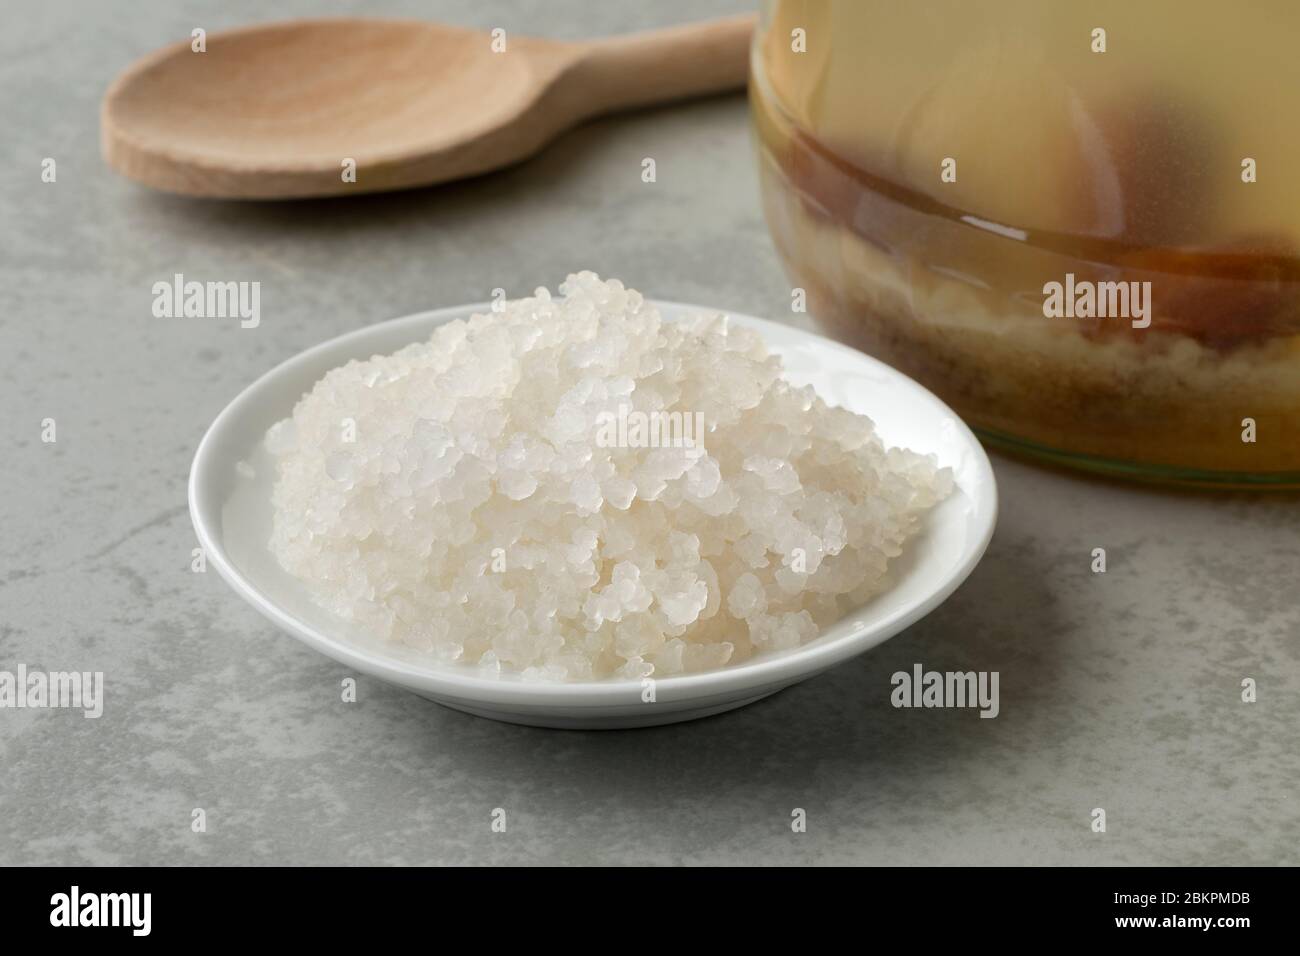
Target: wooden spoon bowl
[(278, 111)]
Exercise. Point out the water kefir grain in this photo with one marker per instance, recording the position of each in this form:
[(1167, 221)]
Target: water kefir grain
[(499, 505)]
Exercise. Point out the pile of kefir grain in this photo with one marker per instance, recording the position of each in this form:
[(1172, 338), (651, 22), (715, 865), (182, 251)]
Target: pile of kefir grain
[(573, 488)]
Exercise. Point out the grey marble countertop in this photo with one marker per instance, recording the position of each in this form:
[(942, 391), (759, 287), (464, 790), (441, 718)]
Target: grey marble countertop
[(1118, 690)]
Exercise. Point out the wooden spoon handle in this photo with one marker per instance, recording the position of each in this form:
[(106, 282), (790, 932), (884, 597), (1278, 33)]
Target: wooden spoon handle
[(659, 66)]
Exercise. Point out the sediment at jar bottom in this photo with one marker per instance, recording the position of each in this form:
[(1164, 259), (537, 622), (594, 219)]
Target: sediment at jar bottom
[(1162, 399)]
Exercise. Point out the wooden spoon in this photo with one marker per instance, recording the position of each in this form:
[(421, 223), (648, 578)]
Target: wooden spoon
[(278, 111)]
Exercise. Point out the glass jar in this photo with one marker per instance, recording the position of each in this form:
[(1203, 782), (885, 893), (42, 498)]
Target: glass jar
[(1079, 224)]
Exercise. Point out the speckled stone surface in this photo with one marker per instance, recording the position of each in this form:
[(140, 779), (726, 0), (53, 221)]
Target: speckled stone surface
[(1118, 690)]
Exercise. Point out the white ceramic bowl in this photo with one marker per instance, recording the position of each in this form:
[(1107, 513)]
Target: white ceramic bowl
[(232, 516)]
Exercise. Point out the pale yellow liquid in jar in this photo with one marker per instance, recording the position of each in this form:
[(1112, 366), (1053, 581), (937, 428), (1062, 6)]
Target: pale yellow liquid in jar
[(1123, 165)]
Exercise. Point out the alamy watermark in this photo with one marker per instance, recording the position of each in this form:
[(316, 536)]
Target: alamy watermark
[(922, 688), (36, 690), (630, 428), (1082, 299), (75, 908), (208, 300)]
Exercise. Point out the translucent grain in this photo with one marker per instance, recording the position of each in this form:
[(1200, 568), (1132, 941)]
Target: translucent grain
[(457, 496)]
